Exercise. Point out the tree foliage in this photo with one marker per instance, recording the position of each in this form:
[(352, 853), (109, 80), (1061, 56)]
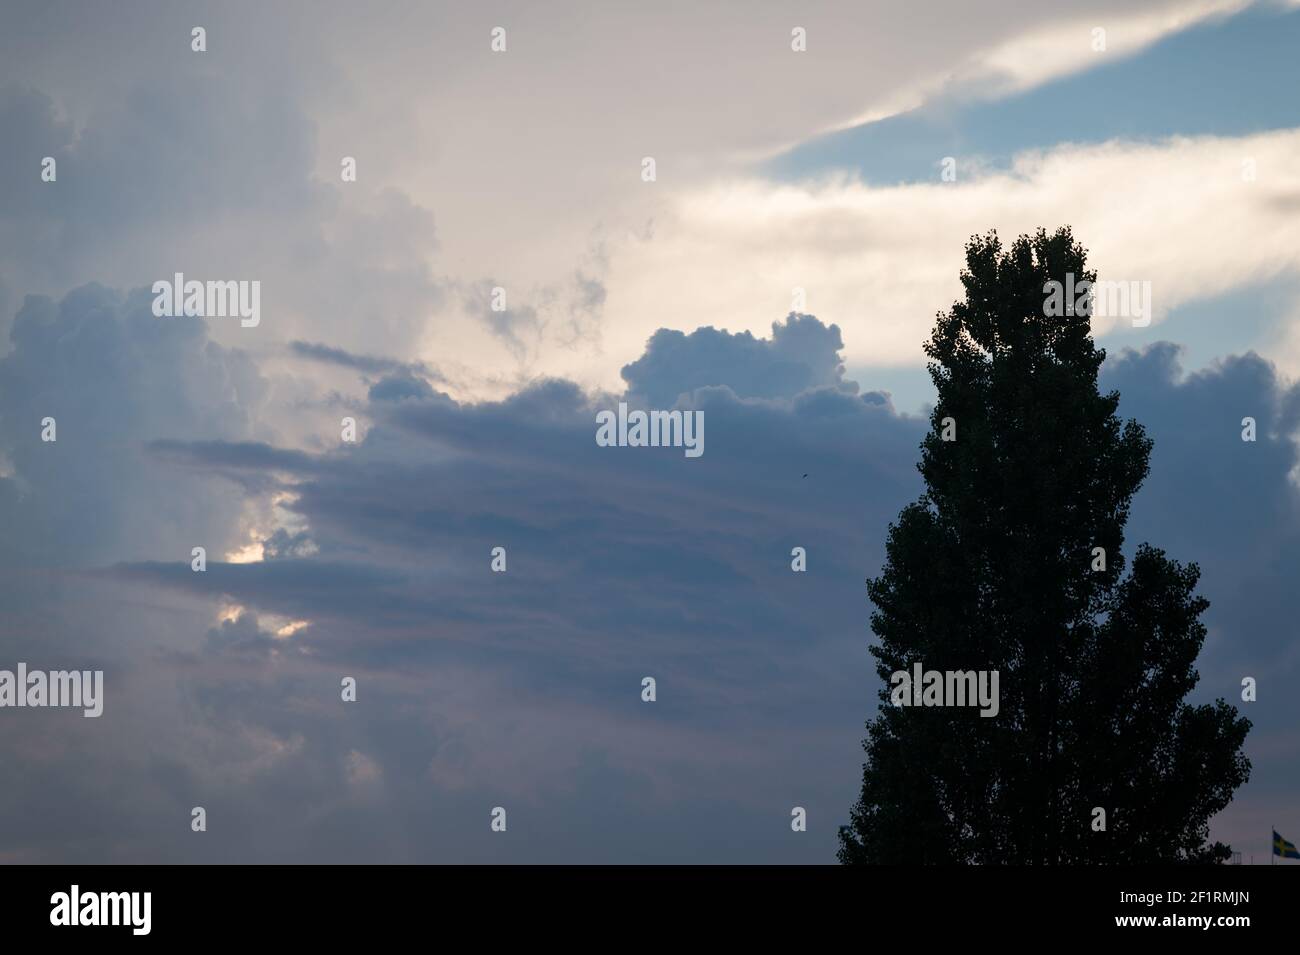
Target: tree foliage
[(992, 569)]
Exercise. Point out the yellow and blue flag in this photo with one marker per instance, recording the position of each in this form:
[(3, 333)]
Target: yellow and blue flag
[(1281, 847)]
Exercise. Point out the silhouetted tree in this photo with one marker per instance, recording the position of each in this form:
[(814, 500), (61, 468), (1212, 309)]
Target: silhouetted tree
[(993, 569)]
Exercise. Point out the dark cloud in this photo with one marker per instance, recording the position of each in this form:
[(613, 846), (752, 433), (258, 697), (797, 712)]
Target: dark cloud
[(801, 354), (400, 386), (241, 635), (242, 455), (622, 562), (367, 364), (680, 567), (523, 688), (1232, 507), (282, 545)]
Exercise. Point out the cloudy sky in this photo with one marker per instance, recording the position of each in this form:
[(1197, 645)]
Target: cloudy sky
[(1171, 152)]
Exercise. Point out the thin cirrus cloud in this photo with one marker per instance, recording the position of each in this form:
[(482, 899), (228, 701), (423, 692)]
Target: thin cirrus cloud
[(1225, 77)]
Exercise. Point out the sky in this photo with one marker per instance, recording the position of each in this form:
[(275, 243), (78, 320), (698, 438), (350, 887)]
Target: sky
[(779, 273)]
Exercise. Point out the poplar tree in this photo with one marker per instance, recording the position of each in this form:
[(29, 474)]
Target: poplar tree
[(996, 567)]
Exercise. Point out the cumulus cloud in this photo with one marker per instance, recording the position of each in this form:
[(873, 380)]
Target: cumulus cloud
[(227, 163), (1178, 213), (801, 354)]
